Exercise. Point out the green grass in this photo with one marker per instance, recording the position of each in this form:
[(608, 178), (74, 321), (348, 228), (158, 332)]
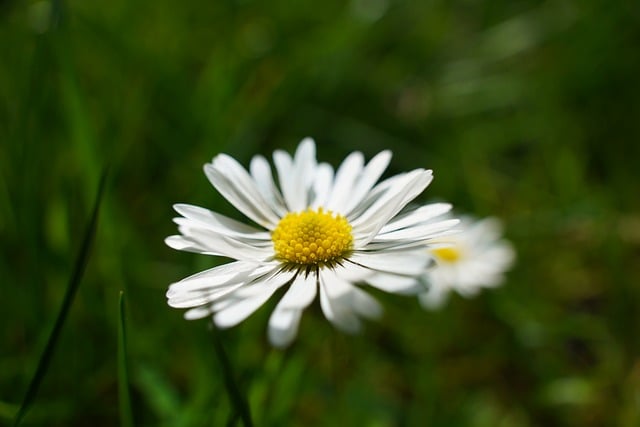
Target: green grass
[(79, 268), (124, 396), (524, 110), (241, 410)]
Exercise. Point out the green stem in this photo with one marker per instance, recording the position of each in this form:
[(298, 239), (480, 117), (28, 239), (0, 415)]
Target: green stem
[(238, 400), (72, 287), (124, 397)]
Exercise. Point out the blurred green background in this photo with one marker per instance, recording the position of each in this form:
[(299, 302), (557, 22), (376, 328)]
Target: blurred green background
[(525, 110)]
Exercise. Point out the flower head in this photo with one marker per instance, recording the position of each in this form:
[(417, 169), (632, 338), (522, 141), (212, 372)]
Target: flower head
[(316, 232), (473, 258)]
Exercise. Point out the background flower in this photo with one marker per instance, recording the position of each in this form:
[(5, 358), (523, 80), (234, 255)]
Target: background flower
[(477, 257)]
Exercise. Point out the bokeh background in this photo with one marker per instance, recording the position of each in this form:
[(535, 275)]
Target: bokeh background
[(526, 110)]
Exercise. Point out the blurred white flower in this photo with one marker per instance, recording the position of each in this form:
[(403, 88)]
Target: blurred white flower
[(316, 232), (472, 259)]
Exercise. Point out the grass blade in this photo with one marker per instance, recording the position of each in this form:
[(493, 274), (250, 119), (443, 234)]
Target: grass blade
[(238, 400), (74, 282), (124, 397)]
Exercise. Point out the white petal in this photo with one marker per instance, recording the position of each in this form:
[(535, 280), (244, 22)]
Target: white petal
[(344, 181), (468, 289), (240, 310), (182, 244), (216, 244), (343, 320), (215, 285), (197, 313), (284, 167), (404, 263), (230, 314), (296, 175), (283, 326), (221, 275), (367, 179), (502, 254), (257, 283), (484, 230), (190, 229), (353, 273), (364, 304), (202, 297), (218, 222), (418, 232), (304, 164), (434, 298), (417, 216), (404, 285), (374, 194), (429, 241), (261, 173), (322, 185), (235, 184), (302, 292), (336, 302), (389, 204)]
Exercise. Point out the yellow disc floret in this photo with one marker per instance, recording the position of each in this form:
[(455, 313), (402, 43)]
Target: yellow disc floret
[(447, 254), (312, 237)]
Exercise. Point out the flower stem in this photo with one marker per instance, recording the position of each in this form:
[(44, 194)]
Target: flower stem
[(237, 398)]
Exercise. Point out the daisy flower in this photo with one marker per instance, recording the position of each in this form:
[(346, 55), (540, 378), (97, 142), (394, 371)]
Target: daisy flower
[(476, 257), (316, 232)]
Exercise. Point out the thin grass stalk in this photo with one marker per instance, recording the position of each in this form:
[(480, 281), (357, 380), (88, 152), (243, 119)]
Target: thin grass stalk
[(237, 398), (124, 396), (72, 288)]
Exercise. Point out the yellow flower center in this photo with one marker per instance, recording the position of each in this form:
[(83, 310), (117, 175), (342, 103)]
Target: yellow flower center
[(312, 237), (447, 254)]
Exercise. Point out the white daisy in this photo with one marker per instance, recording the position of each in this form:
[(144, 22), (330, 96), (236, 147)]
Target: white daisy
[(474, 258), (316, 232)]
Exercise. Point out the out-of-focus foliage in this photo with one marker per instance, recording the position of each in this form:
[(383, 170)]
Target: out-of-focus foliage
[(525, 110)]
